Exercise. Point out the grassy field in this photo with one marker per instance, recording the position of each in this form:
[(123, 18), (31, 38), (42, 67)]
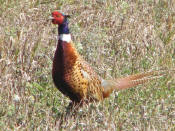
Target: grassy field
[(117, 37)]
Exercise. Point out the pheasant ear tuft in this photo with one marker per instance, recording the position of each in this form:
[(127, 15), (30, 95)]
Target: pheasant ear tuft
[(67, 16)]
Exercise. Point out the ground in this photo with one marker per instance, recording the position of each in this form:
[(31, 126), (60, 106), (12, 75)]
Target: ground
[(117, 37)]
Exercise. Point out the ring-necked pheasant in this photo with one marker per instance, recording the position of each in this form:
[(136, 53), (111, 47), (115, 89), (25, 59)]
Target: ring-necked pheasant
[(74, 77)]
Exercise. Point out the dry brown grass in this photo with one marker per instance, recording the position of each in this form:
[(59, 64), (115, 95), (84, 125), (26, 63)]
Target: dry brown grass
[(116, 37)]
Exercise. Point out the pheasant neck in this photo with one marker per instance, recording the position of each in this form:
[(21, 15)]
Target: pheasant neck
[(63, 30)]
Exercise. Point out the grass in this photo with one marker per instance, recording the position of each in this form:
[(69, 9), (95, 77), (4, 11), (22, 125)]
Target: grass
[(117, 38)]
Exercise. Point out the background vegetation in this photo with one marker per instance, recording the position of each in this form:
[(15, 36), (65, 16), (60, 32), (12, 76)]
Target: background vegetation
[(117, 37)]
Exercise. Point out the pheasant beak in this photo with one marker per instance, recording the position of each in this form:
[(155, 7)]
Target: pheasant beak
[(50, 18)]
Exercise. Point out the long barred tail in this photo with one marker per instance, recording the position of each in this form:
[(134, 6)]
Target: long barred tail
[(132, 80)]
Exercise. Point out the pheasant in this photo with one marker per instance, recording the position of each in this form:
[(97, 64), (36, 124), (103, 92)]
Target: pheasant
[(75, 78)]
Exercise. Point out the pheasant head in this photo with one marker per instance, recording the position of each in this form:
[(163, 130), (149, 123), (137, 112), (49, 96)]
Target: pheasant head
[(61, 20), (58, 18)]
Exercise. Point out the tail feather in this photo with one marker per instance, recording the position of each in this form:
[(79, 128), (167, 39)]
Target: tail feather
[(130, 81), (144, 75), (134, 80)]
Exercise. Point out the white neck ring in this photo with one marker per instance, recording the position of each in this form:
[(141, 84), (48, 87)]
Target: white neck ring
[(65, 37)]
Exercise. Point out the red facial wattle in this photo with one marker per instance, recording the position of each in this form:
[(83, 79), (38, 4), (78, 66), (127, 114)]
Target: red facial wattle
[(58, 18)]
